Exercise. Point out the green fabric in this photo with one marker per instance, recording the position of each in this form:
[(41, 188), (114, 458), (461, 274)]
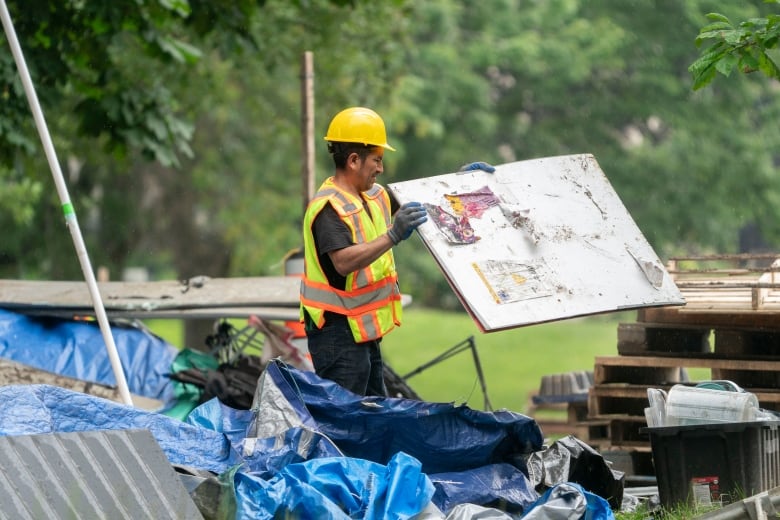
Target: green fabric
[(188, 395)]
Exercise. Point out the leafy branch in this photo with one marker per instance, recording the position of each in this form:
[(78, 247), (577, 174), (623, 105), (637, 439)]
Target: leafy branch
[(743, 47)]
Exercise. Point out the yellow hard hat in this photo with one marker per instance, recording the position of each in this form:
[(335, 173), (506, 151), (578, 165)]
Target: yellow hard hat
[(358, 125)]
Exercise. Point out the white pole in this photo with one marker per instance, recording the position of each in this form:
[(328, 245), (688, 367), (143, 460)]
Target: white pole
[(67, 207)]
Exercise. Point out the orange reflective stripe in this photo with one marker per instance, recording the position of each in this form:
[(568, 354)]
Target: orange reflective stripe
[(381, 292), (357, 311)]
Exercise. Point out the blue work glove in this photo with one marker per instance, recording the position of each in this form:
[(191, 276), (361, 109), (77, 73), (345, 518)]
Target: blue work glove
[(406, 220), (479, 165)]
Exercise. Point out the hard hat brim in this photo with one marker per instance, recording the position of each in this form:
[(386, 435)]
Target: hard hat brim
[(342, 140)]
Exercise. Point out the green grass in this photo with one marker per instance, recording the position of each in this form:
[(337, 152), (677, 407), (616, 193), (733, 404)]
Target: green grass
[(171, 331), (513, 361)]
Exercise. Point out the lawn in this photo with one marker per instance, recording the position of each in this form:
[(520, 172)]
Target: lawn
[(513, 361)]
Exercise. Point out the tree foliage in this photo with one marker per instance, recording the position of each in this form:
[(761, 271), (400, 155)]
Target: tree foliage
[(106, 76), (746, 47), (122, 85), (192, 164), (610, 78)]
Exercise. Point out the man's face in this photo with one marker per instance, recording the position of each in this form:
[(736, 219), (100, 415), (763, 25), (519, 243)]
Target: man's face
[(369, 169)]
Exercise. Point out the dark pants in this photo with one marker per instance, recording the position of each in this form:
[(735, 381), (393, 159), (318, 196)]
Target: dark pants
[(336, 356)]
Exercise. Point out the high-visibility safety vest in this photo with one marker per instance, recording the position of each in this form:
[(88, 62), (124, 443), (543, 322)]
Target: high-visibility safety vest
[(371, 299)]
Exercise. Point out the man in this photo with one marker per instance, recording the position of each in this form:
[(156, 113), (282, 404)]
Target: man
[(349, 294)]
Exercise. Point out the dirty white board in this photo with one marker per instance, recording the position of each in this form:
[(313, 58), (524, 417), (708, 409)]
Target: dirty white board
[(537, 241)]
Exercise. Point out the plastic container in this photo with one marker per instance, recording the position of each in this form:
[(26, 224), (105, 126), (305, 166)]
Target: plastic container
[(715, 463), (687, 405), (655, 414)]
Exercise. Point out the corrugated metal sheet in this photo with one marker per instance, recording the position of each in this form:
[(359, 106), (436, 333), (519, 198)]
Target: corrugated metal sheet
[(90, 475)]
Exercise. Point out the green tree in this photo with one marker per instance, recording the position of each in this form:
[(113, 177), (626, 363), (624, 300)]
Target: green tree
[(504, 81), (123, 86), (497, 80), (105, 73), (746, 47)]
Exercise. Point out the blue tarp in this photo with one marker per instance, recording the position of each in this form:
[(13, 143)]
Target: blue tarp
[(442, 436), (484, 485), (76, 349), (337, 488)]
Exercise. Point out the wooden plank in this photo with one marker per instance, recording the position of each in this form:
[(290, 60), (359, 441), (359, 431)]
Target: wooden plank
[(727, 256), (631, 391), (209, 313), (628, 391), (13, 373), (759, 295), (647, 338), (607, 405), (198, 292), (670, 362), (743, 317), (617, 431), (714, 271), (635, 374), (726, 284)]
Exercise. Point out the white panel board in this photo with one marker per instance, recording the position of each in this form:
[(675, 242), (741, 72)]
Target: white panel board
[(537, 241)]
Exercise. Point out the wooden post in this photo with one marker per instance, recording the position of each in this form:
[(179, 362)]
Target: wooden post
[(307, 126)]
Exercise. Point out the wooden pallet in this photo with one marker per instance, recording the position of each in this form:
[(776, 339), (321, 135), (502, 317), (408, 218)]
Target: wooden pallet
[(662, 370), (619, 393), (653, 338), (631, 400), (657, 339), (722, 291), (730, 326), (617, 431)]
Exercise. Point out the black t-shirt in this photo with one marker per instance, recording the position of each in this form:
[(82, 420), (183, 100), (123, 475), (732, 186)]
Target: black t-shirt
[(331, 234)]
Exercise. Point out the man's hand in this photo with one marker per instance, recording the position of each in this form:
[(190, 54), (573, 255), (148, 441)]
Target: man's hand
[(406, 220), (479, 165)]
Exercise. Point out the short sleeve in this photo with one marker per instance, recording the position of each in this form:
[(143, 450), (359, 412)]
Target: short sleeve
[(330, 232)]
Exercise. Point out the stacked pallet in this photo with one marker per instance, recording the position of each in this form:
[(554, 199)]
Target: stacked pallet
[(729, 329)]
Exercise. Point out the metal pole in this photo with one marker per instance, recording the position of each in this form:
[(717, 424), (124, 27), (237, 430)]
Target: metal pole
[(478, 365), (67, 206), (307, 123)]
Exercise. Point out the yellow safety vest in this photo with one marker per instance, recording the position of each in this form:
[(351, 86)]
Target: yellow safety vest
[(371, 299)]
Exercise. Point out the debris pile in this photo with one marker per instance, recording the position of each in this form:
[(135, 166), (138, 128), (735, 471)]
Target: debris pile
[(306, 444)]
